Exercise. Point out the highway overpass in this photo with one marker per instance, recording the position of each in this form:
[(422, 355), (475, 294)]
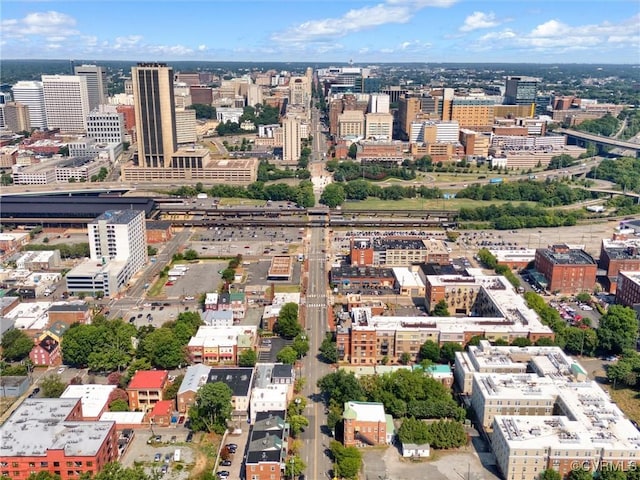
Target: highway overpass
[(600, 140)]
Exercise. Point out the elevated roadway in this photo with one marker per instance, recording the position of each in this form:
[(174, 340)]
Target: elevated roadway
[(600, 140)]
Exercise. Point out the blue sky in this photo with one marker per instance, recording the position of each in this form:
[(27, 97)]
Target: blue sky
[(519, 31)]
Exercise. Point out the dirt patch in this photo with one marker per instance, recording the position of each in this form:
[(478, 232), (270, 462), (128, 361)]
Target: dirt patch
[(205, 454)]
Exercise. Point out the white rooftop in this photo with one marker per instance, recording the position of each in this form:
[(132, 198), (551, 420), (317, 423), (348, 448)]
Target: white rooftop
[(123, 418), (93, 397), (208, 336), (406, 278), (30, 316), (365, 411)]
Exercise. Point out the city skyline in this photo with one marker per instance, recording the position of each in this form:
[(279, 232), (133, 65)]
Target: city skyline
[(363, 32)]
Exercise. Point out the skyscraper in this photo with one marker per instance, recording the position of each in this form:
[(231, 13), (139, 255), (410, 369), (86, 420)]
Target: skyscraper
[(291, 139), (31, 94), (96, 84), (66, 102), (155, 114), (520, 90)]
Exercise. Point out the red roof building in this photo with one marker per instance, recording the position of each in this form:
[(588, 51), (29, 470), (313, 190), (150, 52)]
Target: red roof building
[(161, 413), (146, 388)]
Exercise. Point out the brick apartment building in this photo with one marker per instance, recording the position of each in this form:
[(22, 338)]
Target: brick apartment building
[(146, 389), (617, 255), (366, 424), (566, 270), (50, 435)]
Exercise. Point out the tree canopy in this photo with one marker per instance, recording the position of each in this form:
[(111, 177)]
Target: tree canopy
[(287, 324), (212, 408), (618, 329), (16, 345)]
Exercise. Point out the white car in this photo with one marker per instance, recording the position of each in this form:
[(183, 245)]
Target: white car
[(60, 370), (189, 297)]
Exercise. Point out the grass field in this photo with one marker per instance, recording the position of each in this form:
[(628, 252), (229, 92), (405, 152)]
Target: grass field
[(627, 399), (242, 202), (419, 204)]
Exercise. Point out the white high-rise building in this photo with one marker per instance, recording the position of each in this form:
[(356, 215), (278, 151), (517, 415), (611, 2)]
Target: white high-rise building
[(379, 103), (117, 242), (106, 125), (379, 126), (291, 139), (66, 101), (96, 83), (31, 94)]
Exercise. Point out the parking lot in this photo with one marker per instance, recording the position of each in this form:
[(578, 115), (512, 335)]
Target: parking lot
[(247, 241), (156, 455)]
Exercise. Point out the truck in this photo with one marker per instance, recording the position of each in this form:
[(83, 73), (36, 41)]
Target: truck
[(201, 196), (495, 180), (176, 455), (596, 208)]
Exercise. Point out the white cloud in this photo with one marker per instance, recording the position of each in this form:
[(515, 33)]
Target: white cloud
[(479, 20), (355, 20), (39, 23), (202, 48), (554, 37)]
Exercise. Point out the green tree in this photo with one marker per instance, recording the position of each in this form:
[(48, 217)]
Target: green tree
[(348, 460), (212, 408), (287, 355), (430, 350), (294, 467), (162, 348), (190, 255), (298, 423), (521, 342), (579, 474), (247, 358), (52, 386), (618, 329), (342, 387), (42, 476), (353, 150), (171, 392), (405, 358), (333, 195), (413, 431), (612, 474), (287, 324), (329, 349), (580, 341), (446, 434), (441, 310), (550, 474), (119, 406), (583, 297), (115, 471), (16, 345), (301, 345), (448, 351), (228, 274)]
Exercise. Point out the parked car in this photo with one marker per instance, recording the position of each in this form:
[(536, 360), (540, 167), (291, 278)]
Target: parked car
[(189, 437), (157, 457), (223, 474), (225, 463), (164, 469)]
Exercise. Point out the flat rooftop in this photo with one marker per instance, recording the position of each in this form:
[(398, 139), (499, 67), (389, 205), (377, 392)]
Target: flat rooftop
[(281, 266), (569, 256), (118, 217), (39, 425), (238, 379)]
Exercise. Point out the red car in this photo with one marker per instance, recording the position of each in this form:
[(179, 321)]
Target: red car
[(168, 284)]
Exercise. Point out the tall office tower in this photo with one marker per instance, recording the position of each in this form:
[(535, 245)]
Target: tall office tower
[(408, 109), (119, 235), (291, 139), (66, 102), (106, 125), (155, 114), (254, 95), (96, 83), (473, 112), (379, 126), (520, 90), (379, 103), (299, 91), (3, 103), (31, 94), (17, 117)]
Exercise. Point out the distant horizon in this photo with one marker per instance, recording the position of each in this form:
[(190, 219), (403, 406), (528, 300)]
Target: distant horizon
[(327, 62), (362, 31)]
